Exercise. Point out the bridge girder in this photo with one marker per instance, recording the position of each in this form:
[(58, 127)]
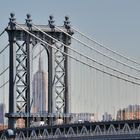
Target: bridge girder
[(100, 130)]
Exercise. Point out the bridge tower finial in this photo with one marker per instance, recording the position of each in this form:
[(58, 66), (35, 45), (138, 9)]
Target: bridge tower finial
[(67, 23), (51, 22), (12, 21), (29, 21)]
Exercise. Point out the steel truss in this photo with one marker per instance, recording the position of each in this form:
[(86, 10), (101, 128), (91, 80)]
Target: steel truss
[(21, 44), (109, 130), (19, 72)]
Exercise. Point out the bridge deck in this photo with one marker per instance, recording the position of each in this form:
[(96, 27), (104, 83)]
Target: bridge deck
[(96, 130)]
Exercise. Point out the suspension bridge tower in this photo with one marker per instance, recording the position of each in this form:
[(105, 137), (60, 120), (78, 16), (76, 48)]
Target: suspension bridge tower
[(22, 39)]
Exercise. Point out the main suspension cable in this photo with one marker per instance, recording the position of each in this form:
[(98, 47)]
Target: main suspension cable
[(4, 84), (85, 55), (129, 59), (75, 58), (4, 71), (111, 58), (8, 66), (4, 49), (3, 32)]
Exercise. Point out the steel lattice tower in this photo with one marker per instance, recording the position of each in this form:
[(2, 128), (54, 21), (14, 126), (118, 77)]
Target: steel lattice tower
[(21, 44)]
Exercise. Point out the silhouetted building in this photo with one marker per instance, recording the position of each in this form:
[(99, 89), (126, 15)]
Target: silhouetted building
[(40, 89)]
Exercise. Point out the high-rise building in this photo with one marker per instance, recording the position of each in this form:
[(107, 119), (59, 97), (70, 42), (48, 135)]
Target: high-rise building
[(1, 113), (107, 117), (3, 123), (40, 89), (132, 112)]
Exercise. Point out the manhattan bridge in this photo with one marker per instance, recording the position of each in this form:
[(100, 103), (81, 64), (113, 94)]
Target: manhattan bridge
[(92, 90)]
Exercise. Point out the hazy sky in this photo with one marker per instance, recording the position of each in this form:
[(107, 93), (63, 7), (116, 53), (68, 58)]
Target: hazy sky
[(114, 23)]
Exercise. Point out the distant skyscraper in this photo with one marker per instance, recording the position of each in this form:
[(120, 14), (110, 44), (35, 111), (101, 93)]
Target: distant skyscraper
[(107, 117), (40, 89), (132, 112), (1, 113)]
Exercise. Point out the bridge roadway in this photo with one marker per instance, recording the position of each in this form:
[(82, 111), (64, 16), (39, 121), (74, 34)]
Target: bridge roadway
[(88, 130)]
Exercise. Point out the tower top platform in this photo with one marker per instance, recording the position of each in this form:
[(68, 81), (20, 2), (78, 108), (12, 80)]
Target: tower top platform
[(44, 28)]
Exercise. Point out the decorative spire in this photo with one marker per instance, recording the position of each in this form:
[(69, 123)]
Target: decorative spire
[(40, 64)]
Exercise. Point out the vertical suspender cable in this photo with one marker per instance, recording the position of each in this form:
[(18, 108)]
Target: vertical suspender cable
[(3, 93)]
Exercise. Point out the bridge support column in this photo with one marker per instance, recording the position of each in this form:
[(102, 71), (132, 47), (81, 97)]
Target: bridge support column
[(67, 41), (12, 80), (51, 90), (19, 74), (59, 98), (12, 72)]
